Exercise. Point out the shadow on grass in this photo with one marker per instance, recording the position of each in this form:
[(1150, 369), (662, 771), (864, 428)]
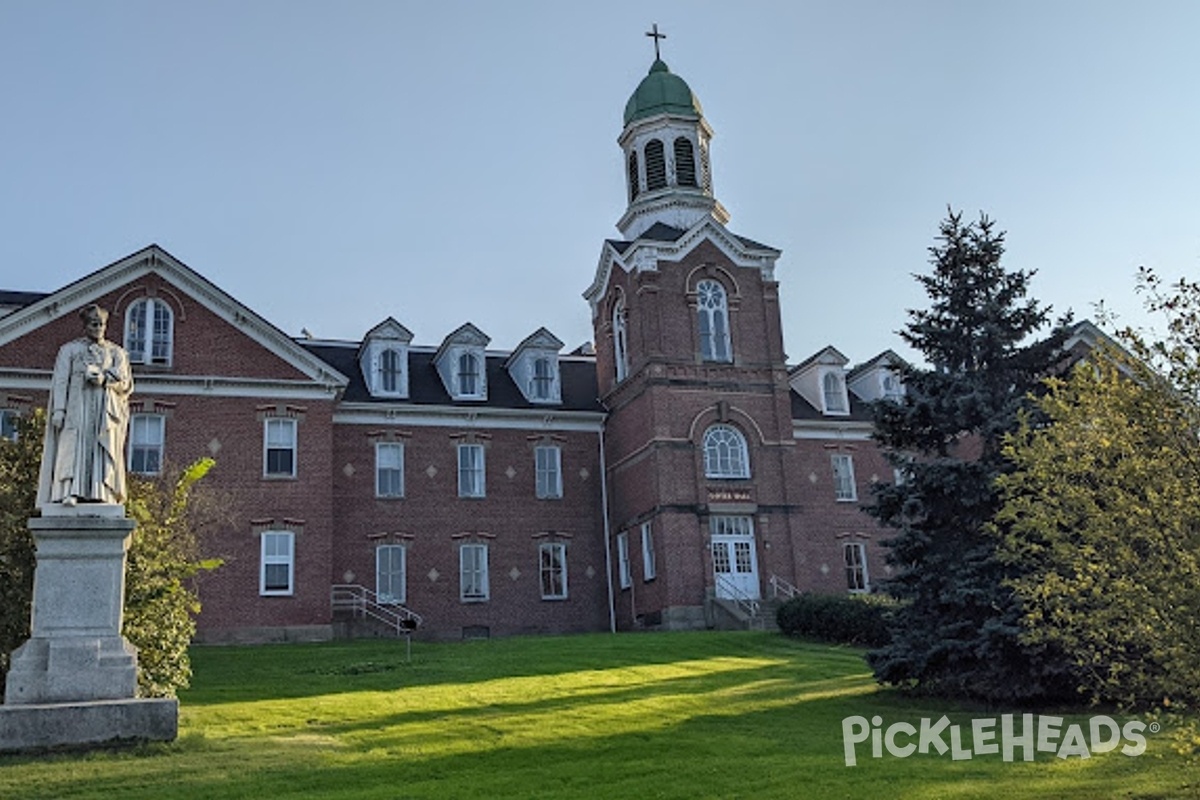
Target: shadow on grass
[(276, 672)]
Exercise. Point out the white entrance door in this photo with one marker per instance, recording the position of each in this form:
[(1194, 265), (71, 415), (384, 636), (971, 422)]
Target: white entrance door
[(735, 564)]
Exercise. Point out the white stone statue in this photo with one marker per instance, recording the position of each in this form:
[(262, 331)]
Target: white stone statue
[(87, 418)]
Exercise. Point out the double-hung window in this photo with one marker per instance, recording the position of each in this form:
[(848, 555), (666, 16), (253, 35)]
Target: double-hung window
[(471, 475), (649, 563), (389, 469), (279, 448), (542, 383), (844, 489), (277, 575), (146, 443), (624, 573), (148, 332), (855, 554), (548, 466), (552, 557), (8, 424), (389, 573), (473, 572)]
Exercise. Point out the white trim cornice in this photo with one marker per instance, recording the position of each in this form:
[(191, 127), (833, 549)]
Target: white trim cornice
[(155, 260), (188, 385), (841, 429), (533, 419)]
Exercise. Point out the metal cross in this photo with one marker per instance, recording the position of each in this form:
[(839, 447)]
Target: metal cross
[(655, 35)]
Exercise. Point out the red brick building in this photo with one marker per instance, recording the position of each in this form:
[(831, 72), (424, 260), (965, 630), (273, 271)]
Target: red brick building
[(672, 478)]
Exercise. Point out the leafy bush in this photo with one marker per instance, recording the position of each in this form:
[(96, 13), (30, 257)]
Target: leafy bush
[(847, 619)]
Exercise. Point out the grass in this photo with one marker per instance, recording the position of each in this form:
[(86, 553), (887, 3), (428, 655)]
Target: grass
[(688, 715)]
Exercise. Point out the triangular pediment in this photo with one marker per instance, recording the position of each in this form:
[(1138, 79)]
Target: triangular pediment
[(466, 335), (389, 330), (154, 263), (541, 339), (646, 252)]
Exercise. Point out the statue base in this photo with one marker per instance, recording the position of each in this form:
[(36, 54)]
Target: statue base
[(38, 728)]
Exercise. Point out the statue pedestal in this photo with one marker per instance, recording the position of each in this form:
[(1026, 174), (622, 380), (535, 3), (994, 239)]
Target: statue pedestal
[(77, 674)]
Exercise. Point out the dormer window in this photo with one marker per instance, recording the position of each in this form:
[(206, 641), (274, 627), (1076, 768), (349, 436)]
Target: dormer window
[(383, 359), (462, 365), (834, 393), (534, 367), (893, 389), (149, 332), (541, 385), (468, 375), (390, 369)]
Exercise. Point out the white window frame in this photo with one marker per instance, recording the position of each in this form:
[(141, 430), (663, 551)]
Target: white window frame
[(854, 557), (712, 318), (385, 582), (472, 470), (624, 573), (271, 556), (384, 452), (397, 374), (649, 559), (845, 489), (890, 385), (473, 572), (279, 424), (460, 374), (833, 388), (620, 341), (139, 426), (547, 466), (542, 386), (9, 422), (552, 559), (725, 453), (153, 341)]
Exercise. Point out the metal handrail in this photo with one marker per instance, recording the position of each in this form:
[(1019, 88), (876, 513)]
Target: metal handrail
[(743, 601), (781, 587), (364, 603)]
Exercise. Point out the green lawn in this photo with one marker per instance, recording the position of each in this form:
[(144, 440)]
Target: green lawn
[(684, 715)]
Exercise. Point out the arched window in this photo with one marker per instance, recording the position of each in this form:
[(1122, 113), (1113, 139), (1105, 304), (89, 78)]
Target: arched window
[(656, 165), (725, 453), (713, 318), (620, 344), (389, 371), (685, 162), (633, 176), (835, 393), (543, 379), (149, 332), (468, 374)]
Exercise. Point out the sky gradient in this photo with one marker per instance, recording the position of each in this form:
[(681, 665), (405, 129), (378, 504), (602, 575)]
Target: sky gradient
[(331, 164)]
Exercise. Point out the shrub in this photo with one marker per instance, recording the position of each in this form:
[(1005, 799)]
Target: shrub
[(846, 619)]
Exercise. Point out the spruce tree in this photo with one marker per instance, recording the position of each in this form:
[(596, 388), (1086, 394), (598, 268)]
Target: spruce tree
[(956, 630)]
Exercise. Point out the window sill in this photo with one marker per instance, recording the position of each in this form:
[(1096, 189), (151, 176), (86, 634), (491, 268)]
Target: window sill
[(279, 477), (473, 599)]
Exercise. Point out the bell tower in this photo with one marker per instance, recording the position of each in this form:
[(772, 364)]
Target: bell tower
[(690, 364)]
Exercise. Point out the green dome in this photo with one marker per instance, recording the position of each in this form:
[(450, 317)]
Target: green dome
[(661, 92)]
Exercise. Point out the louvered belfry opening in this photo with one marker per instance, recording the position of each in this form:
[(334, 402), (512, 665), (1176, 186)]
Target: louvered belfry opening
[(656, 165), (633, 176), (685, 162)]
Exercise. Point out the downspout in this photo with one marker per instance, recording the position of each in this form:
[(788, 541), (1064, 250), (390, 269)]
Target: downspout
[(612, 608)]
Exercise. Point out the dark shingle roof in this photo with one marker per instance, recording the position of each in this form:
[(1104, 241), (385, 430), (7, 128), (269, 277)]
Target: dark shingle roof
[(425, 387), (22, 299), (802, 409)]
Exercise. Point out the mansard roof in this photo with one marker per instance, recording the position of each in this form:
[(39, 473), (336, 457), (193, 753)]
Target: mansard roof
[(860, 411), (425, 386)]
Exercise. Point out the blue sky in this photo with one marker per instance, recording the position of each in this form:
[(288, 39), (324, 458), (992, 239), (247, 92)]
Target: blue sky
[(330, 164)]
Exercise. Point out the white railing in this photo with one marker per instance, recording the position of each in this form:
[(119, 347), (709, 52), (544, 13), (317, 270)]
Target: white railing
[(781, 588), (728, 590), (362, 602)]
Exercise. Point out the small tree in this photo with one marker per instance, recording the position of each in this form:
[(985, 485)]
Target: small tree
[(1103, 514), (161, 603), (160, 598), (957, 628), (20, 460)]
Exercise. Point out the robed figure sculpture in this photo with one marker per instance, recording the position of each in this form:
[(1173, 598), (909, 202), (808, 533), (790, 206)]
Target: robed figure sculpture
[(87, 418)]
